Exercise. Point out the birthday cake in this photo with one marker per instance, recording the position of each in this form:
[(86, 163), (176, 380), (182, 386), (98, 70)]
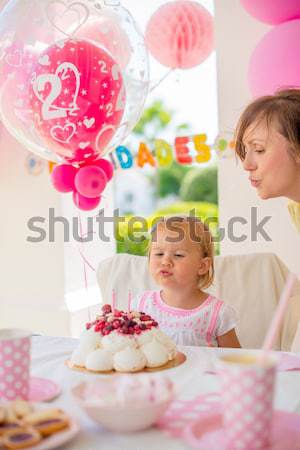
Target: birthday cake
[(124, 342)]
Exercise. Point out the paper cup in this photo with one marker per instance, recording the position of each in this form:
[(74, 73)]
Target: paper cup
[(247, 391), (14, 364)]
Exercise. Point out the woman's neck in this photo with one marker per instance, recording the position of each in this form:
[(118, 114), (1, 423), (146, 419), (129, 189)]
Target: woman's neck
[(295, 197), (188, 298), (294, 193)]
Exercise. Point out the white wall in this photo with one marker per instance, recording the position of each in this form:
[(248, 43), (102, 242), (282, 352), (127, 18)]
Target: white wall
[(31, 274), (237, 34)]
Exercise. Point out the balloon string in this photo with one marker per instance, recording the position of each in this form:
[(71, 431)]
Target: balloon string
[(84, 259), (161, 80), (84, 267)]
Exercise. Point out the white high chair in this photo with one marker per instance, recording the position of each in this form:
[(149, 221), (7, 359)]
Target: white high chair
[(251, 283)]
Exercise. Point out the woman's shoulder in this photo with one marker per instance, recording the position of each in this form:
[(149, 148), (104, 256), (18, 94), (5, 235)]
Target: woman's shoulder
[(294, 210)]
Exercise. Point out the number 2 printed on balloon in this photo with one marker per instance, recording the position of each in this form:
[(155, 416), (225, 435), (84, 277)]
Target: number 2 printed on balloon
[(109, 109), (103, 67), (49, 109)]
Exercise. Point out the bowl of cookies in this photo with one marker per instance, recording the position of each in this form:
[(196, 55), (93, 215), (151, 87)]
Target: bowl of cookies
[(28, 425)]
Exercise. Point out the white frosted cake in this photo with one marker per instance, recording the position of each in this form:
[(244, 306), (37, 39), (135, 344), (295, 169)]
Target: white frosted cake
[(124, 342)]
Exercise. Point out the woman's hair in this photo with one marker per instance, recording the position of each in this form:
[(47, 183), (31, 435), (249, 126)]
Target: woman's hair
[(199, 232), (282, 108)]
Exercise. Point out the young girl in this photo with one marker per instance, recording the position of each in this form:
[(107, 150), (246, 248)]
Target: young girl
[(181, 262), (268, 143)]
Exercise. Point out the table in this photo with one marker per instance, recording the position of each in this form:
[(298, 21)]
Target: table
[(48, 360)]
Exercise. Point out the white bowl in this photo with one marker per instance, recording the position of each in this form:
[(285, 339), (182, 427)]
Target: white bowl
[(122, 418)]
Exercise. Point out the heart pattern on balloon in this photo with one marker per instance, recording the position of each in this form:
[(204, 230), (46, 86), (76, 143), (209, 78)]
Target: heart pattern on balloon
[(14, 58), (64, 133), (89, 122), (67, 18), (104, 135)]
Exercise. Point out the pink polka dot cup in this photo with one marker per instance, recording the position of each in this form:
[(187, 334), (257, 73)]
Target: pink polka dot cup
[(247, 391), (14, 364)]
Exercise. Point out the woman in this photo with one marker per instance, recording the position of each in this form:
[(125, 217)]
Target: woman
[(268, 144)]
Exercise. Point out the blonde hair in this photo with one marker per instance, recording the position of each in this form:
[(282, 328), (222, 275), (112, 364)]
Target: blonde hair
[(284, 108), (203, 237)]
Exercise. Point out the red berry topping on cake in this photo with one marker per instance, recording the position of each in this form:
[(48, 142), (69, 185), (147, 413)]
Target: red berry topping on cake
[(116, 324), (133, 322), (106, 309), (145, 318)]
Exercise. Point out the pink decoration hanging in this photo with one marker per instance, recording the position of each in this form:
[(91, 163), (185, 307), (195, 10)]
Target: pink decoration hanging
[(63, 176), (85, 203), (180, 34), (106, 166), (78, 99), (275, 62), (90, 181), (273, 12)]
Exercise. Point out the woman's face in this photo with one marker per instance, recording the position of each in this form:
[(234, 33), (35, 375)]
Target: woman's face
[(272, 169)]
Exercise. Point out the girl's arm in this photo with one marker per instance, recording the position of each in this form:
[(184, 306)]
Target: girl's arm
[(229, 339)]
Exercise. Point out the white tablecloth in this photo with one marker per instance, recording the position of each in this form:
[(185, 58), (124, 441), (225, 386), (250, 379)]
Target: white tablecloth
[(48, 360)]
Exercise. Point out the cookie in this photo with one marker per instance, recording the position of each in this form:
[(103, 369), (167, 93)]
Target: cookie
[(2, 415), (48, 421), (10, 415), (9, 426), (21, 438), (21, 408)]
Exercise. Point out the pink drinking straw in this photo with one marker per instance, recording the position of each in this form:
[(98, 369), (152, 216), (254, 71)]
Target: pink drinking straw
[(129, 301), (113, 300), (278, 316)]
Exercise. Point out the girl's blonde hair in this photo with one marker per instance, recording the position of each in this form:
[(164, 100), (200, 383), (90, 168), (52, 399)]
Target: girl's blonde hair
[(283, 108), (202, 236)]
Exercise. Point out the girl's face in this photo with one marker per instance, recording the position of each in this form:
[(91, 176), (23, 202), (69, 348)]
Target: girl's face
[(176, 260), (272, 169)]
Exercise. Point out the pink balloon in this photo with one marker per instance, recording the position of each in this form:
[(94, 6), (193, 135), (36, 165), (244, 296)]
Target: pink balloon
[(273, 12), (90, 181), (106, 31), (77, 97), (180, 34), (275, 62), (106, 166), (63, 177), (84, 203)]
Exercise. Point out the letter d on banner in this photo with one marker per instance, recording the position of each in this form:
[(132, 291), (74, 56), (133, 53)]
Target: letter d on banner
[(124, 156)]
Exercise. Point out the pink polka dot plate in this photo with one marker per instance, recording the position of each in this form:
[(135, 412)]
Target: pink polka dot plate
[(207, 431)]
